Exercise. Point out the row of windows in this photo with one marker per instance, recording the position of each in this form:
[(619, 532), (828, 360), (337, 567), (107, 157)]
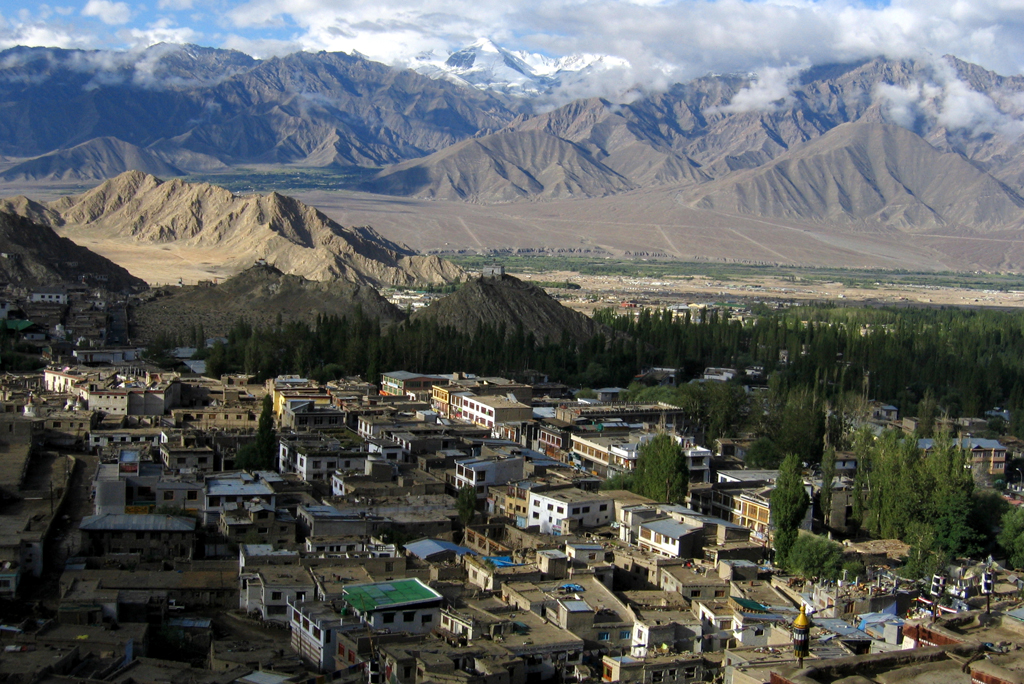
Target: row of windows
[(407, 616)]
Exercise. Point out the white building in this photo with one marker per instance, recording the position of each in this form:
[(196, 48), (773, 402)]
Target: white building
[(269, 590), (698, 460), (405, 605), (488, 471), (669, 538), (490, 411), (562, 510), (315, 628)]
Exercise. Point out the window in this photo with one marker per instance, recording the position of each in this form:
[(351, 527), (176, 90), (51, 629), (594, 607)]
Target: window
[(192, 495), (300, 596), (168, 496), (603, 636), (536, 515), (719, 593), (426, 619), (694, 593), (409, 616), (603, 507), (561, 509), (625, 634), (275, 596), (551, 507), (389, 618), (586, 509)]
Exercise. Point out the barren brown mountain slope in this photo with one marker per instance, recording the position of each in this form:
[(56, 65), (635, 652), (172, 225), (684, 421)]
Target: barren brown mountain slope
[(32, 254), (139, 208), (93, 160), (500, 167), (869, 174)]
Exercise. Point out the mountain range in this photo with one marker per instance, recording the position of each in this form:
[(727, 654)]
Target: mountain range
[(880, 147), (139, 208)]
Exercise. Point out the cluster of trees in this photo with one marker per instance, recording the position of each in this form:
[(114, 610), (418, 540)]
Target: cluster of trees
[(661, 472), (333, 347), (926, 498), (951, 360), (925, 362)]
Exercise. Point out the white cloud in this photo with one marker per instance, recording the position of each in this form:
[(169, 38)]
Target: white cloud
[(108, 12), (770, 90), (162, 31), (940, 98), (175, 4), (41, 35)]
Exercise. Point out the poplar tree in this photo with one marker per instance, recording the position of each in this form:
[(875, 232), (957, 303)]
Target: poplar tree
[(789, 502)]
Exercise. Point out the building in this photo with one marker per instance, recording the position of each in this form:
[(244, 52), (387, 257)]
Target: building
[(314, 628), (666, 669), (406, 605), (481, 473), (267, 591), (671, 538), (564, 510), (403, 383), (988, 456), (490, 411), (234, 489), (256, 519), (151, 536)]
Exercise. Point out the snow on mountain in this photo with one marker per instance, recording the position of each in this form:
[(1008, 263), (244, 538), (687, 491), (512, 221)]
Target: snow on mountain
[(487, 66)]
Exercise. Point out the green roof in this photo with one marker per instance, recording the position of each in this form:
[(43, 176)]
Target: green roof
[(747, 604), (16, 324), (368, 597)]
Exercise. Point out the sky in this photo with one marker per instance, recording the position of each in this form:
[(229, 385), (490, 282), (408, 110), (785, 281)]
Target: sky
[(664, 41)]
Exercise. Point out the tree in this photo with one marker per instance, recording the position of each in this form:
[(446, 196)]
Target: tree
[(815, 556), (1011, 538), (465, 504), (789, 502), (661, 472), (828, 473), (259, 455), (763, 454), (927, 410)]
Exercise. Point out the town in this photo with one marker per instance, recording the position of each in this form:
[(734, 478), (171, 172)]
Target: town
[(162, 525)]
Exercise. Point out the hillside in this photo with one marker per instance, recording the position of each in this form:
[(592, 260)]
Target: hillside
[(94, 160), (501, 167), (142, 209), (869, 173), (509, 302), (260, 294), (32, 254)]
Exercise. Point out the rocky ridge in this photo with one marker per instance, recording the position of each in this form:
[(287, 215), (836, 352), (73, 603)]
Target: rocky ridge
[(294, 237)]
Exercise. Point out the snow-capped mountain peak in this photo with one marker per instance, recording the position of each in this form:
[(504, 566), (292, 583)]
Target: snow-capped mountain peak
[(488, 66)]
